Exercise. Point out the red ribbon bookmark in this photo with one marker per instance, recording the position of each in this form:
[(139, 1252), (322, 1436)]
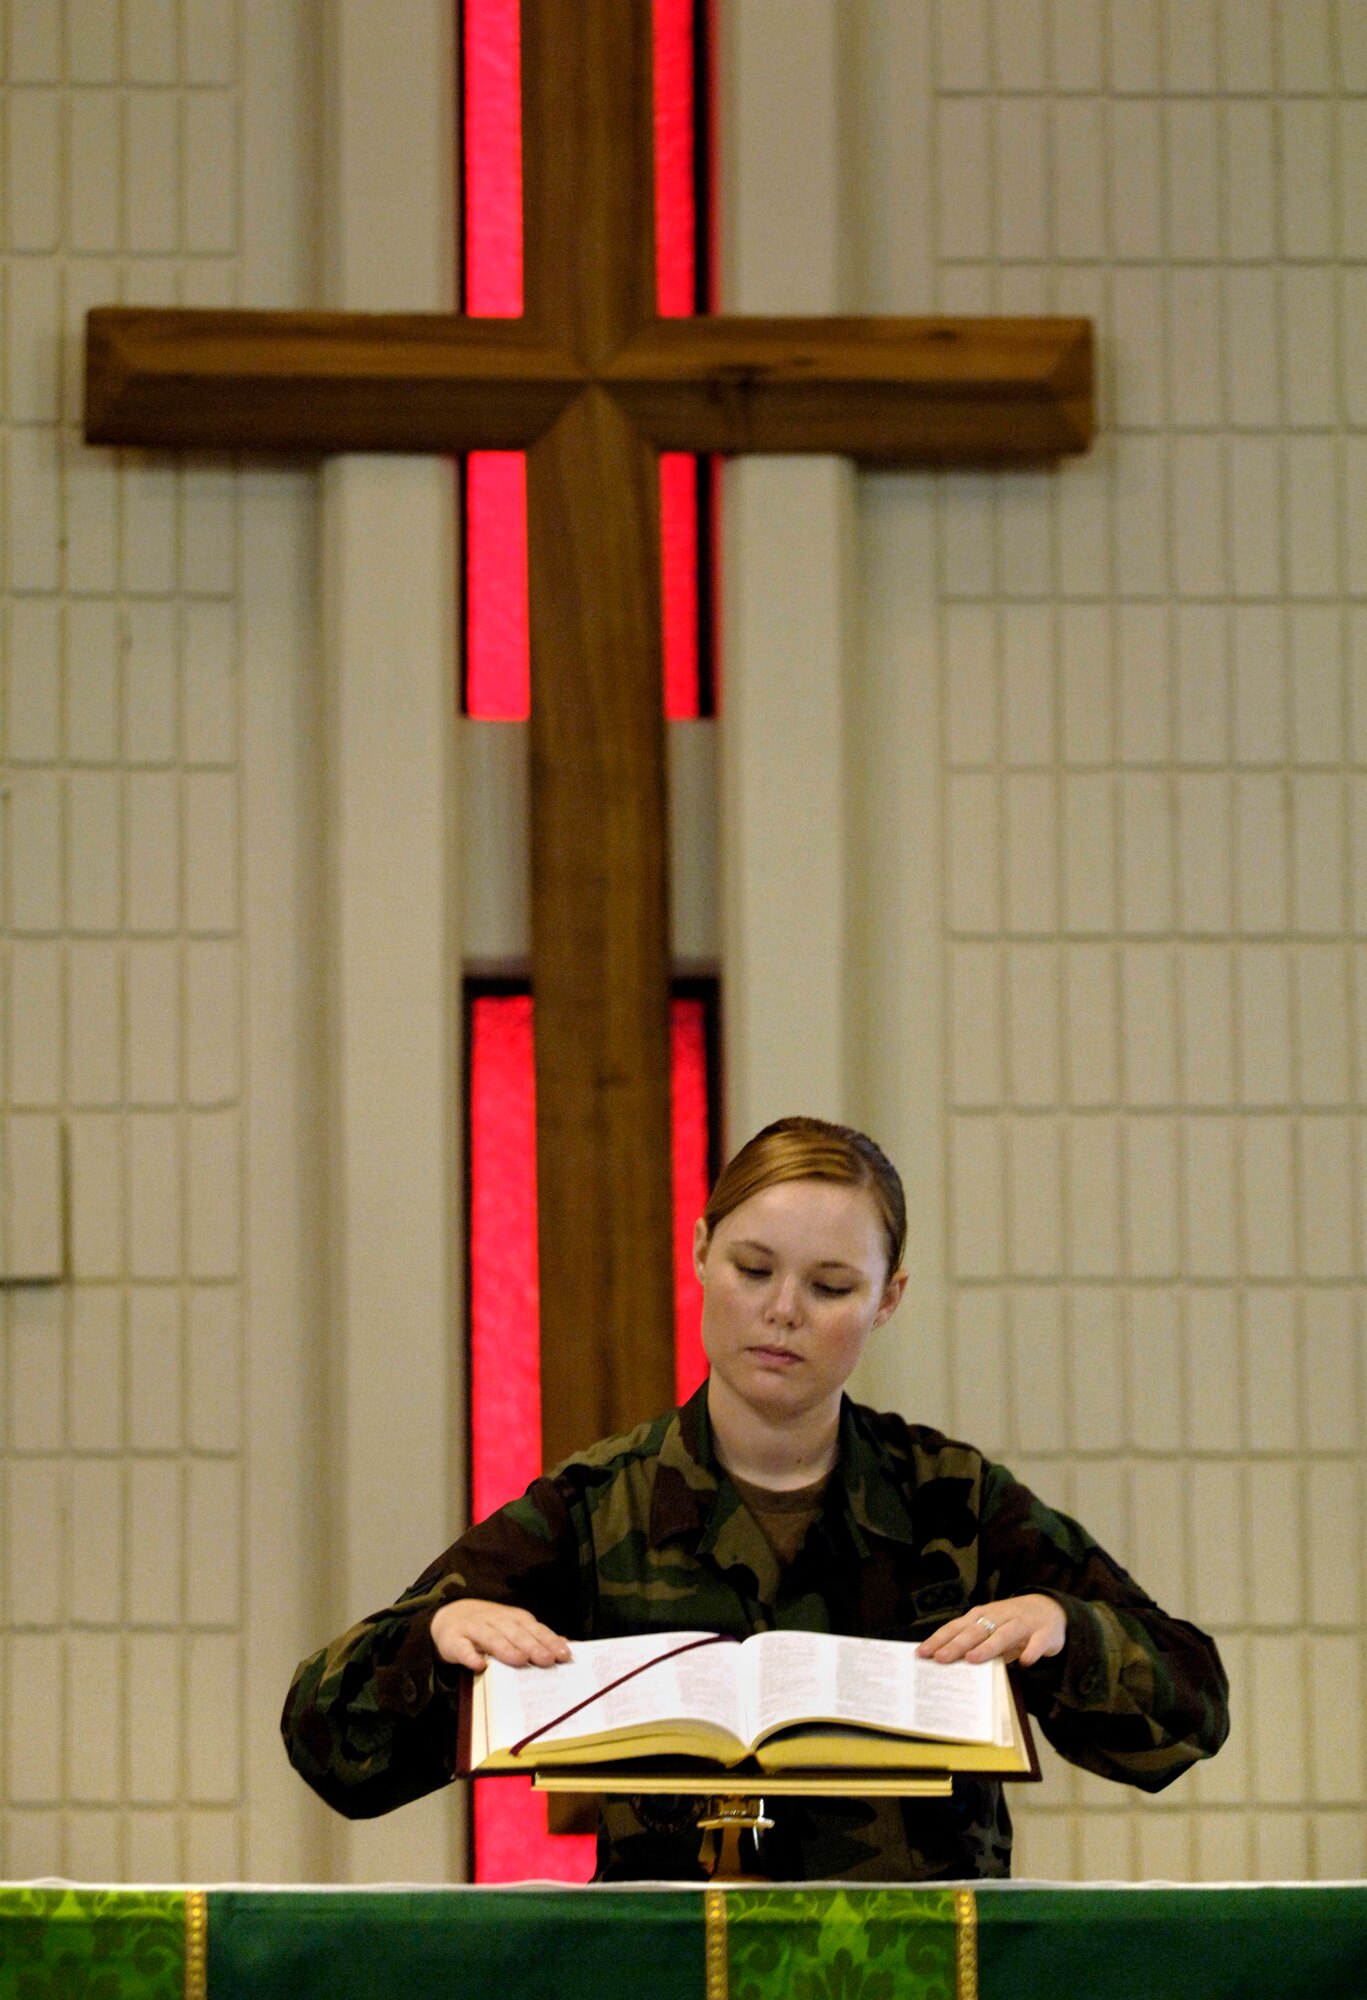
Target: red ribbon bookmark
[(714, 1639)]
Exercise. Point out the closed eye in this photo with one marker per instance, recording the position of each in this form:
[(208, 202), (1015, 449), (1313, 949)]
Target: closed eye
[(833, 1291)]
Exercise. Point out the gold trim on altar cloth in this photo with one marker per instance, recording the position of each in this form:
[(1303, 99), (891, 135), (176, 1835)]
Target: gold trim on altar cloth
[(714, 1919), (966, 1935), (196, 1944)]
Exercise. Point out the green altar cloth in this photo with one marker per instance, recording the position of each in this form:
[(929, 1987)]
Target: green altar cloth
[(992, 1940)]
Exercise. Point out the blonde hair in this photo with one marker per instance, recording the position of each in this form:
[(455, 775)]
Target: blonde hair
[(810, 1149)]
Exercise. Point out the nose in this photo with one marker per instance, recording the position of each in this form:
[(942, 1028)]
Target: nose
[(782, 1307)]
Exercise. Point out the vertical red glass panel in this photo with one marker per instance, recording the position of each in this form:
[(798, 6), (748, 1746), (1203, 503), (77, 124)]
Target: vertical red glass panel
[(688, 1081), (675, 193), (679, 578), (491, 125), (511, 1840), (676, 292), (505, 1369), (497, 674), (498, 684)]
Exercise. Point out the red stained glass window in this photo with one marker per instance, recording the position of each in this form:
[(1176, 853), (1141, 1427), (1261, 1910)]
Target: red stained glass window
[(505, 1382), (497, 675), (497, 684), (491, 129), (691, 1106), (511, 1841)]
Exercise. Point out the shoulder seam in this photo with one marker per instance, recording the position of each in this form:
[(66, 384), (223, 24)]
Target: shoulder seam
[(615, 1453)]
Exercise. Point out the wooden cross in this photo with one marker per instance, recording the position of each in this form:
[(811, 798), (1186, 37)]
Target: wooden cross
[(592, 385)]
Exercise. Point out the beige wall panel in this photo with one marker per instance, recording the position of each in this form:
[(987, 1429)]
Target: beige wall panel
[(1144, 689), (393, 969), (158, 153), (787, 528), (1100, 841)]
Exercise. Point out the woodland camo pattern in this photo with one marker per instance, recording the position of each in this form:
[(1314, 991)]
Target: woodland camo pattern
[(644, 1533)]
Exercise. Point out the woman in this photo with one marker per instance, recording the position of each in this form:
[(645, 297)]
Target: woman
[(771, 1500)]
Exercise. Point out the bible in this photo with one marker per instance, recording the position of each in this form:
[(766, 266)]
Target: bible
[(789, 1701)]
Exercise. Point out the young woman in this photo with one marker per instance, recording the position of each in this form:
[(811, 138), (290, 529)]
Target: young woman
[(771, 1500)]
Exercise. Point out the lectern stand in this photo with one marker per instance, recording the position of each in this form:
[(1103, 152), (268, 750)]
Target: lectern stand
[(737, 1810)]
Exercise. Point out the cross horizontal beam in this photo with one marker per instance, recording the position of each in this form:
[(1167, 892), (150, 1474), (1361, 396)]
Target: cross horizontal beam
[(319, 382), (897, 391)]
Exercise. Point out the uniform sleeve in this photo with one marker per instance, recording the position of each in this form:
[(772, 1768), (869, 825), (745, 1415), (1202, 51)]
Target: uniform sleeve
[(370, 1721), (1135, 1695)]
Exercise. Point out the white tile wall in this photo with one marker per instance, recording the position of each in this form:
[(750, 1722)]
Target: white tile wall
[(1156, 871), (121, 1671), (1155, 742)]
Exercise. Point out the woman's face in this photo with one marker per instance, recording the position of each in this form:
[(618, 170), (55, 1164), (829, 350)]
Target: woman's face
[(794, 1281)]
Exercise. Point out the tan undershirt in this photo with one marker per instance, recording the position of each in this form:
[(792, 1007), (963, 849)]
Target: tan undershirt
[(783, 1517)]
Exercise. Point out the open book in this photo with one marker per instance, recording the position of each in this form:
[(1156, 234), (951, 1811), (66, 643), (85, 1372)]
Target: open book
[(790, 1700)]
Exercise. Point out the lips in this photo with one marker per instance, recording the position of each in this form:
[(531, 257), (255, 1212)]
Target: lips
[(778, 1357)]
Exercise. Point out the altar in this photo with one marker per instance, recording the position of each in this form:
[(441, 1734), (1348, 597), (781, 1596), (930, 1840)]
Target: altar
[(1000, 1941)]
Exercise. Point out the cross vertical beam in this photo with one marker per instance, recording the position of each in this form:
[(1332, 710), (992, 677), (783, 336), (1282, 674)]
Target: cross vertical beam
[(588, 173), (600, 928), (600, 910)]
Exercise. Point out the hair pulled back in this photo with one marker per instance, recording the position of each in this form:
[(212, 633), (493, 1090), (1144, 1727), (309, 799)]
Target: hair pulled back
[(811, 1149)]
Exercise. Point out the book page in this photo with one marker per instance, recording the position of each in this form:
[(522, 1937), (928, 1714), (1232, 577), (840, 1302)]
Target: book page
[(806, 1676), (882, 1683), (697, 1687), (956, 1701)]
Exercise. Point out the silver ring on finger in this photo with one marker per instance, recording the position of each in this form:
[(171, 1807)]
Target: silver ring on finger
[(989, 1625)]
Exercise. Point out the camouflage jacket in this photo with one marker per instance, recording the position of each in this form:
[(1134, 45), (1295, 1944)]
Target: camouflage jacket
[(645, 1532)]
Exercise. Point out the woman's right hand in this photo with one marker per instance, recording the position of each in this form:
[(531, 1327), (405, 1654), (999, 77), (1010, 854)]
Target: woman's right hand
[(472, 1631)]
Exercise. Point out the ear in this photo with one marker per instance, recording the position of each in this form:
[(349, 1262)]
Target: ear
[(892, 1297), (700, 1242)]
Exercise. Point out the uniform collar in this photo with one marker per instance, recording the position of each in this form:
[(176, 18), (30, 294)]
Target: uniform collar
[(687, 1477), (875, 1495), (693, 1496)]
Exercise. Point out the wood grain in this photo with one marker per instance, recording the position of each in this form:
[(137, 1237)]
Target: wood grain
[(894, 391), (891, 391), (600, 915), (588, 172), (320, 382), (600, 928)]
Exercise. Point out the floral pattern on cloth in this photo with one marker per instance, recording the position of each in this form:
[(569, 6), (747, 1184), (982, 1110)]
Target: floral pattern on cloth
[(92, 1944), (843, 1944)]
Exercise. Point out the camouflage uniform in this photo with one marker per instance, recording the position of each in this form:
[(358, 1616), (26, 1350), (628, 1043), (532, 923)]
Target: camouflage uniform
[(645, 1533)]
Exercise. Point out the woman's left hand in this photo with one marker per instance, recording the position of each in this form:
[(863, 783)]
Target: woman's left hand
[(1023, 1629)]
